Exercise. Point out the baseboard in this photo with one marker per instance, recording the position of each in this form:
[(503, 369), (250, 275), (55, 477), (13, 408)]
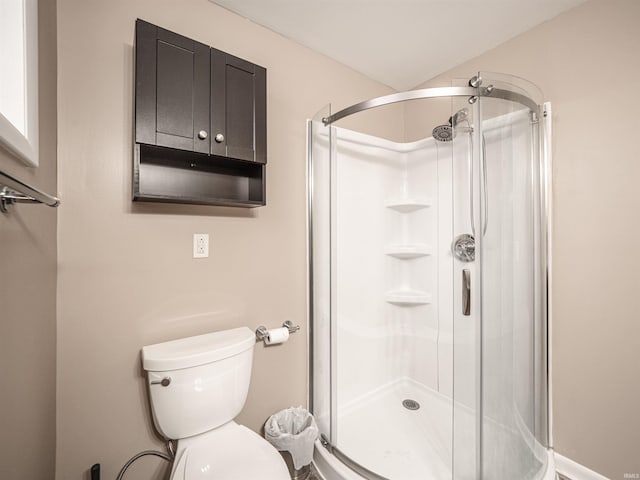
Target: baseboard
[(574, 471)]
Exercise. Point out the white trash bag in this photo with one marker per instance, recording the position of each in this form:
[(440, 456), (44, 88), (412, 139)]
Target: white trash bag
[(294, 430)]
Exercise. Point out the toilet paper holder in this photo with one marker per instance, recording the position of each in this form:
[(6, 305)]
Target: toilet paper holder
[(262, 332)]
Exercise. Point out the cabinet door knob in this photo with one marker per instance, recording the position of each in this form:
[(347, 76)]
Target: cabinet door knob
[(219, 138), (202, 134)]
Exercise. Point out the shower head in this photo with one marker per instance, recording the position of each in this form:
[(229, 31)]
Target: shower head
[(442, 133)]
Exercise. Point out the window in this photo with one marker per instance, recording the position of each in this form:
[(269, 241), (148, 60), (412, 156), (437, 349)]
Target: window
[(19, 79)]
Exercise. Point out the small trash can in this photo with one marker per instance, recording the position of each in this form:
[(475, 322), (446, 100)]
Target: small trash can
[(293, 432)]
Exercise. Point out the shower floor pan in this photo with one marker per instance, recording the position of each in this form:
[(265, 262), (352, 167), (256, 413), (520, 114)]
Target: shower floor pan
[(380, 433)]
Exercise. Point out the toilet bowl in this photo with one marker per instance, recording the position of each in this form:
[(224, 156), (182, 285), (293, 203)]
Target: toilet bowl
[(197, 386)]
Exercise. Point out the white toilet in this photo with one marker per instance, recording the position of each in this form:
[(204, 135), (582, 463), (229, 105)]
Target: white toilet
[(197, 386)]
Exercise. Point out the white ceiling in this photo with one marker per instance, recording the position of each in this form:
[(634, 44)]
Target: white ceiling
[(400, 43)]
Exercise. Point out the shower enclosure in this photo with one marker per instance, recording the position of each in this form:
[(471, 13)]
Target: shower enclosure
[(428, 287)]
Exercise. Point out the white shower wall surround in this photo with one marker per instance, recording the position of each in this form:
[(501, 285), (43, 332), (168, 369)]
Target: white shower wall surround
[(387, 198)]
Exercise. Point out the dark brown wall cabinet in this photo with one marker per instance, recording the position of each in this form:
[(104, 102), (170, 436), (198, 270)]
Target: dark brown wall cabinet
[(200, 123)]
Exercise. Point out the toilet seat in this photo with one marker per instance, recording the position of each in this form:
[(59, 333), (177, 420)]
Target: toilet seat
[(229, 452)]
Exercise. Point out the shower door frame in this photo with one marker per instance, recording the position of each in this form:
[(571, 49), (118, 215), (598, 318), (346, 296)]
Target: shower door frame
[(473, 93)]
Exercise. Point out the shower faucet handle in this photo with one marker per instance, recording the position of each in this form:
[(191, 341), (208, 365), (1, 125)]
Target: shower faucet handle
[(463, 248), (466, 292)]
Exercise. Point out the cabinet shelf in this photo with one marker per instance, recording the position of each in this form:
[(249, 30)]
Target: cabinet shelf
[(407, 297), (408, 251), (173, 176), (408, 205)]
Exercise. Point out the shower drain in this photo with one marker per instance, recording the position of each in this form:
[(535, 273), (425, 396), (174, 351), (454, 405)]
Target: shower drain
[(410, 404)]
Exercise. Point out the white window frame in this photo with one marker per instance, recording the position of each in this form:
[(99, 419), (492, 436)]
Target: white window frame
[(25, 147)]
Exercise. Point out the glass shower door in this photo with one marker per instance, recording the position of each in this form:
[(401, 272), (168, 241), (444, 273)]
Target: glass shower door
[(499, 296), (510, 400), (466, 260)]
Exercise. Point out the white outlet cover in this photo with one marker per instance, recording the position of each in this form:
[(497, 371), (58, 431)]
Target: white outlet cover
[(200, 245)]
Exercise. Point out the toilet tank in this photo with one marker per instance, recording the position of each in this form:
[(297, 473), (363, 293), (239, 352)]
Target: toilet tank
[(198, 383)]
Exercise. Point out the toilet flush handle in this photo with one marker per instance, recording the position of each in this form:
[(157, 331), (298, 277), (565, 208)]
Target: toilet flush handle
[(164, 382)]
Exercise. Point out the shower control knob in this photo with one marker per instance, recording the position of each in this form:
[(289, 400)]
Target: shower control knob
[(464, 248), (202, 134), (219, 138), (165, 382)]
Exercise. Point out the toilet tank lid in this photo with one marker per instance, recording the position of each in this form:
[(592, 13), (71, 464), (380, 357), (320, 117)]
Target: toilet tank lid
[(198, 350)]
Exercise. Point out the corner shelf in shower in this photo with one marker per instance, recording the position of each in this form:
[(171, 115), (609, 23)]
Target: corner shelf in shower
[(408, 250), (407, 297), (408, 205)]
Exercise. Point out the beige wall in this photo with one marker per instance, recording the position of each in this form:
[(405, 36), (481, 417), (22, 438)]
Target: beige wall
[(587, 62), (28, 295), (126, 276)]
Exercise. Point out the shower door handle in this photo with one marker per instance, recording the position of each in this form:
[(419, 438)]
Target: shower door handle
[(466, 292)]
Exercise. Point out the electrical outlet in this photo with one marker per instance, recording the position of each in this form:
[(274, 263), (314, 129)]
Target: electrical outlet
[(200, 245)]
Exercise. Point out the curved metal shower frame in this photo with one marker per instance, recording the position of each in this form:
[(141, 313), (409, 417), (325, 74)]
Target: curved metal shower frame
[(436, 92)]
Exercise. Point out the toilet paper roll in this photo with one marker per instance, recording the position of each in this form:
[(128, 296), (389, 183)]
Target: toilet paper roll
[(276, 336)]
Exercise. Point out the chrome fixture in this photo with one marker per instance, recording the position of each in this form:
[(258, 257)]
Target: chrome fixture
[(14, 191), (442, 133), (464, 248), (475, 81), (460, 116), (487, 91), (445, 133), (466, 292), (219, 138), (288, 324), (262, 332), (410, 404), (436, 92), (202, 134)]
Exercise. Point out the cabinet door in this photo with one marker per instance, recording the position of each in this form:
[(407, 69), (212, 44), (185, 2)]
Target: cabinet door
[(172, 90), (238, 108)]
